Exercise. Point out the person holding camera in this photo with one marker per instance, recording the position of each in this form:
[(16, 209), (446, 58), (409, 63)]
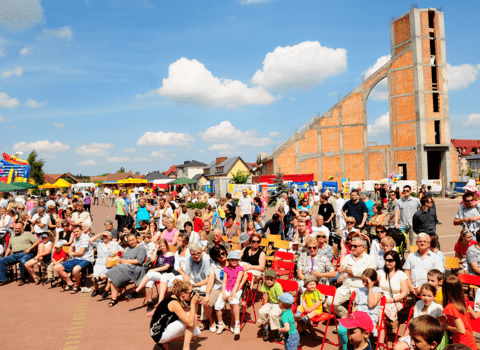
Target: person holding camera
[(171, 322)]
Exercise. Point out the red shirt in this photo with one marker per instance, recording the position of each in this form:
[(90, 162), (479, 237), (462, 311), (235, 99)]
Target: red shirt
[(57, 256), (197, 225), (461, 249), (452, 313)]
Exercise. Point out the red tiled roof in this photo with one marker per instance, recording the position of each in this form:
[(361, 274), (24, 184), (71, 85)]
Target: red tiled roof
[(171, 170), (51, 178), (466, 147)]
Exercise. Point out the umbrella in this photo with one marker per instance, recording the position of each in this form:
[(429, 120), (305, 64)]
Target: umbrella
[(61, 183), (47, 185), (4, 187), (24, 185), (183, 180)]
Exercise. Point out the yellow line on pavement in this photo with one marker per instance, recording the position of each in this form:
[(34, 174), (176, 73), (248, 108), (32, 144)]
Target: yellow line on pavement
[(78, 319)]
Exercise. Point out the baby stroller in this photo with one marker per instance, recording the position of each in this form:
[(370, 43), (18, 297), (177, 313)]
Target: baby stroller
[(400, 239)]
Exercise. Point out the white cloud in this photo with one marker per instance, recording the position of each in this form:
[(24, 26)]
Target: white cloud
[(129, 150), (58, 125), (118, 159), (300, 66), (88, 162), (61, 33), (380, 126), (461, 76), (380, 91), (248, 2), (274, 134), (142, 160), (189, 82), (27, 50), (473, 120), (160, 154), (225, 131), (221, 146), (40, 146), (161, 138), (95, 149), (380, 62), (48, 156), (34, 104), (7, 102), (20, 15), (203, 151), (17, 71)]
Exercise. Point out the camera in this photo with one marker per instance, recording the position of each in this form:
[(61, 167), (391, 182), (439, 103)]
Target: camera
[(200, 293)]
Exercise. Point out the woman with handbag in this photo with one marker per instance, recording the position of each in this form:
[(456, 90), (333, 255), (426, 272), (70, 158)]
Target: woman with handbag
[(394, 283), (105, 249)]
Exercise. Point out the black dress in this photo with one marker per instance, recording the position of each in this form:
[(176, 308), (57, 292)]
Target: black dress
[(161, 319), (254, 259)]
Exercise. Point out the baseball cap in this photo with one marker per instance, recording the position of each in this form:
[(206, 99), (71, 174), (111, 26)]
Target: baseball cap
[(44, 235), (58, 245), (271, 273), (233, 255), (358, 319), (286, 298)]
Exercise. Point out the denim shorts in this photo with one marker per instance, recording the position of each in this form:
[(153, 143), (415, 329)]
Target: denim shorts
[(70, 264)]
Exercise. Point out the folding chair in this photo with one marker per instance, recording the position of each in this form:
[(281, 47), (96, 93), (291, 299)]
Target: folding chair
[(413, 248), (236, 246), (250, 297), (283, 268), (410, 314), (327, 291), (273, 238), (172, 248), (235, 239), (451, 262), (285, 256), (279, 244)]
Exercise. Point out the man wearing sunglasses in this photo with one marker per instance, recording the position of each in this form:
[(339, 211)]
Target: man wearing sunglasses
[(352, 267), (424, 219), (391, 204), (404, 210), (355, 208), (468, 215)]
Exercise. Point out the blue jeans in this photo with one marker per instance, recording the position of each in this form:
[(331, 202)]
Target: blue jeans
[(12, 259), (291, 341), (247, 218)]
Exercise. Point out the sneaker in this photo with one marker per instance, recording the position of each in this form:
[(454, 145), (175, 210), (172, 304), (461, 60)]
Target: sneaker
[(150, 307), (279, 337), (220, 328), (305, 319), (213, 328), (266, 334), (298, 314), (94, 293), (21, 283), (237, 329), (132, 295)]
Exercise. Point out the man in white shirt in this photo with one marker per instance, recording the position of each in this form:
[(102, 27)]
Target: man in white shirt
[(40, 221), (404, 210), (164, 210), (212, 201), (320, 227), (135, 192), (96, 193), (80, 215), (246, 206), (351, 271)]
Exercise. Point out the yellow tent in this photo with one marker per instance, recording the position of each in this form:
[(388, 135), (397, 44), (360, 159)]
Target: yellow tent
[(61, 183), (47, 185)]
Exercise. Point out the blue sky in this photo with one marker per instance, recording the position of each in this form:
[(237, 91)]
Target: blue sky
[(96, 85)]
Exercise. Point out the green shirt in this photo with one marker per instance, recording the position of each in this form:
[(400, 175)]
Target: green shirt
[(273, 292), (287, 317), (20, 243), (120, 203)]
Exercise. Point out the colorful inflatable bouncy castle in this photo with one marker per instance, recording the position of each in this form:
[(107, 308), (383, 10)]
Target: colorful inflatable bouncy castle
[(13, 169)]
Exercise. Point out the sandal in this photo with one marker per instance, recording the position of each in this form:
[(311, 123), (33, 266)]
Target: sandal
[(96, 280), (67, 287), (150, 314), (75, 290), (201, 326), (113, 303), (37, 280)]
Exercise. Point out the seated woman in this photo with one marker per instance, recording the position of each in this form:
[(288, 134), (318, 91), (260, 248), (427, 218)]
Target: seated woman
[(378, 249), (104, 248), (164, 261), (141, 230), (252, 258), (153, 229), (171, 322), (464, 242), (122, 236), (170, 233), (44, 253), (232, 229), (313, 264), (63, 233), (214, 285), (193, 236), (129, 268), (376, 221), (5, 221)]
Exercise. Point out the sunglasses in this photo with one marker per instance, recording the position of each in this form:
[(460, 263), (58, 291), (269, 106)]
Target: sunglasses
[(389, 260), (350, 222), (321, 236), (312, 248), (223, 254), (378, 231), (355, 245), (471, 200), (407, 191), (255, 241)]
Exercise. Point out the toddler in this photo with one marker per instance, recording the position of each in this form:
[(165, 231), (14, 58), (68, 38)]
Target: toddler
[(58, 256), (287, 322), (435, 277), (311, 302), (271, 291)]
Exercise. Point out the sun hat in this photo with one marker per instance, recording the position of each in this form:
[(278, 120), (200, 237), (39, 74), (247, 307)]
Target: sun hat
[(58, 245), (244, 236), (233, 255), (304, 210), (271, 273), (358, 319), (310, 279), (45, 234), (286, 298)]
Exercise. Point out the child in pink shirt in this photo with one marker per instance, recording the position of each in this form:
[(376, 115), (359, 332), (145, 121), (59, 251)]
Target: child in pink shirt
[(231, 291)]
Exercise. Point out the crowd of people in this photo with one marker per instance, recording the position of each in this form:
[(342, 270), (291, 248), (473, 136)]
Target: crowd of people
[(208, 258)]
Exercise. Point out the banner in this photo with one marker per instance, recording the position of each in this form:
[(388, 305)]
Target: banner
[(330, 186), (237, 190), (401, 183), (346, 188), (264, 198), (436, 185), (302, 186)]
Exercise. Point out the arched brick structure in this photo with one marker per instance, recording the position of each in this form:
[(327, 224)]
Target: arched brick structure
[(336, 143)]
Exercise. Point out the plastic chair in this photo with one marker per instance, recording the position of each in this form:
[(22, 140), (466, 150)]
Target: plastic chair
[(452, 262), (410, 314), (172, 248), (250, 297), (281, 244), (327, 291), (285, 256), (283, 268), (413, 248), (273, 238), (236, 246), (235, 239)]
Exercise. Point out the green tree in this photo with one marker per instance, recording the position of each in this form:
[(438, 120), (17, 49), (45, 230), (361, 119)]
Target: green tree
[(280, 188), (122, 170), (36, 167), (240, 177)]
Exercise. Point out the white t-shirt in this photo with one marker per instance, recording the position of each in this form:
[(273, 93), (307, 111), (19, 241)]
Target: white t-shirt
[(5, 223), (213, 202), (245, 204), (316, 230), (50, 203), (45, 219), (149, 247), (168, 213), (194, 237), (395, 282), (132, 197), (83, 242), (135, 190)]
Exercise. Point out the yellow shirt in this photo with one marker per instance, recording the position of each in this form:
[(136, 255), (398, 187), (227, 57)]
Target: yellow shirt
[(439, 296), (311, 298)]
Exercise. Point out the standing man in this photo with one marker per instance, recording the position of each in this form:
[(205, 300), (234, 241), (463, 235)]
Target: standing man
[(469, 215), (96, 193), (424, 218), (333, 201), (291, 193), (246, 209), (121, 214), (327, 211), (404, 210), (283, 201), (357, 209), (231, 207), (391, 204)]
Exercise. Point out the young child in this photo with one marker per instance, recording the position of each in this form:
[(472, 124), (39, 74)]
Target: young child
[(208, 213), (203, 238), (359, 326), (311, 305), (435, 277), (456, 312), (425, 306), (198, 222), (271, 291), (304, 214), (287, 322), (426, 332), (58, 256), (367, 299), (221, 213), (183, 218), (149, 245), (231, 291)]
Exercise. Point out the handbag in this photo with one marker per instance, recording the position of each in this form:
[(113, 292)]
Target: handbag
[(388, 322), (112, 260), (129, 220)]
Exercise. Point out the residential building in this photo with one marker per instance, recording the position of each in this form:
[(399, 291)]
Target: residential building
[(190, 168)]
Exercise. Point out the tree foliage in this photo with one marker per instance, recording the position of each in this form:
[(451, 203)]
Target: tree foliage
[(122, 170), (36, 167), (240, 177), (280, 188)]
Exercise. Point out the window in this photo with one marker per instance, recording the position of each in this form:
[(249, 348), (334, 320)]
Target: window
[(402, 170), (206, 171), (431, 19), (434, 78), (436, 107), (432, 44), (437, 132), (219, 169)]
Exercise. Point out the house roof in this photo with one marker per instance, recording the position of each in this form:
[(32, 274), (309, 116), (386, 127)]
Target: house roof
[(227, 165), (465, 147), (51, 178), (192, 163), (156, 175), (122, 176), (171, 170), (198, 176)]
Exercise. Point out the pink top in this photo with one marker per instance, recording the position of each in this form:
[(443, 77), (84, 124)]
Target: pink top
[(232, 275), (169, 235)]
